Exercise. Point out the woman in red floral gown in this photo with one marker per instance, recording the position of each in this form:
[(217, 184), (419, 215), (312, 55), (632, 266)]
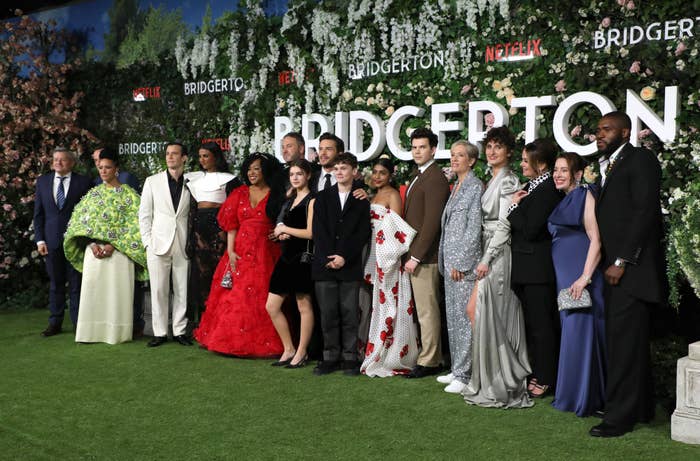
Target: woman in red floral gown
[(235, 321)]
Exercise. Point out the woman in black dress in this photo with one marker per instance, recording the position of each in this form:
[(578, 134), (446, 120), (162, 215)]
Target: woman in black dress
[(292, 272)]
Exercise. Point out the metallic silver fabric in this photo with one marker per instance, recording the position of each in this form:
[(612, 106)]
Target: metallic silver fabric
[(460, 249)]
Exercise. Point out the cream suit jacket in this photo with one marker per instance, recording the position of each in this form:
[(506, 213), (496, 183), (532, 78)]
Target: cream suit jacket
[(158, 221)]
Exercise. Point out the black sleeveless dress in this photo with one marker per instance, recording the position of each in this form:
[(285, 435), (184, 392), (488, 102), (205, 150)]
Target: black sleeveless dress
[(290, 274)]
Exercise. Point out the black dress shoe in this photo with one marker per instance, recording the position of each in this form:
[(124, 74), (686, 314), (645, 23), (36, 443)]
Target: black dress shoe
[(157, 341), (608, 430), (325, 367), (184, 340), (351, 368), (420, 371), (137, 333), (599, 414), (51, 330)]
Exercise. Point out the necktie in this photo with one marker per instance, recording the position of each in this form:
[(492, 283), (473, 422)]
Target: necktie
[(61, 194), (328, 184)]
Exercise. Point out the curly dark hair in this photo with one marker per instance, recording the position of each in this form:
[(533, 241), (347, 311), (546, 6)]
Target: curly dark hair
[(501, 135), (272, 172), (215, 149), (420, 133)]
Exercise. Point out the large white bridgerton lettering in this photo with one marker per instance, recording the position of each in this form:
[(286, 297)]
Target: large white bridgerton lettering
[(354, 126)]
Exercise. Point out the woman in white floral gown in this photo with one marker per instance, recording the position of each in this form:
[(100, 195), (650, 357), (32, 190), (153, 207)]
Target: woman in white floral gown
[(392, 346)]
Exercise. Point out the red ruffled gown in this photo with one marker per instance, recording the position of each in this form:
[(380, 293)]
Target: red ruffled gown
[(235, 321)]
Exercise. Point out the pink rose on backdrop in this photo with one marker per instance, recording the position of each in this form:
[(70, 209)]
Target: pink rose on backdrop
[(465, 89), (591, 137), (649, 72), (605, 22), (575, 131), (620, 2), (560, 86), (635, 67), (630, 5), (644, 133), (489, 119), (680, 49)]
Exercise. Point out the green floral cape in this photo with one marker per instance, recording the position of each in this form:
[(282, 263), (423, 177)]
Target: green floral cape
[(109, 215)]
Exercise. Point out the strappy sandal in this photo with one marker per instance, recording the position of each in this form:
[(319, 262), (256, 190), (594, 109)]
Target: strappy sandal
[(531, 385), (539, 391)]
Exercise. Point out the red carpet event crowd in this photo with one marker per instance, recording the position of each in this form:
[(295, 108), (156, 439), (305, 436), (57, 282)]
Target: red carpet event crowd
[(506, 292)]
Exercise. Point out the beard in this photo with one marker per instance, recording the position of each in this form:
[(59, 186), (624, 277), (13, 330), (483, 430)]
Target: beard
[(610, 147)]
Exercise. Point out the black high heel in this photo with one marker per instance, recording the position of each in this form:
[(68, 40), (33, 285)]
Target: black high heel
[(282, 363), (301, 364)]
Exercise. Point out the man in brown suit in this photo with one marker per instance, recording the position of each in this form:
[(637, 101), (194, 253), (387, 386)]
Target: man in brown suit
[(425, 199)]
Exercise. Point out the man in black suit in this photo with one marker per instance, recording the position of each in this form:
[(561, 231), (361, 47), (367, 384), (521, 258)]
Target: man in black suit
[(329, 146), (532, 270), (57, 194), (629, 218), (341, 228)]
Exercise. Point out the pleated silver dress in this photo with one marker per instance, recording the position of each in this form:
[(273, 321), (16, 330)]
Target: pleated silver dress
[(499, 352)]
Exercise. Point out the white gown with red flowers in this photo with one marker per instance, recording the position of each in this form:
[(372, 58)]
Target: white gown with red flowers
[(392, 346)]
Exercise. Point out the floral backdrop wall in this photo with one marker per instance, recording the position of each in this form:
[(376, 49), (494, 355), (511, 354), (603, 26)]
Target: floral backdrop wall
[(306, 61)]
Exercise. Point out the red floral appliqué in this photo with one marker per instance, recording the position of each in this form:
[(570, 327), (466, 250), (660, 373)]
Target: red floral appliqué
[(382, 297), (369, 349), (404, 351), (400, 236), (380, 237)]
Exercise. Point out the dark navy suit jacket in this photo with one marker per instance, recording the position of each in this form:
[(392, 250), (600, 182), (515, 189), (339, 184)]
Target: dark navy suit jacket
[(50, 223)]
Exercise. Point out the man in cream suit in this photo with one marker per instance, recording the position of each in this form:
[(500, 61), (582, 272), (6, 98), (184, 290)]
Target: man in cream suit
[(165, 204)]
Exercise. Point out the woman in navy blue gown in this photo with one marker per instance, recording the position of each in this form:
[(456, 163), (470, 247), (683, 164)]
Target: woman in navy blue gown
[(576, 254)]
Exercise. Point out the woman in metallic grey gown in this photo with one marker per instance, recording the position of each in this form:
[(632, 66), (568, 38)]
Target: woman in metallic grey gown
[(499, 352), (460, 250)]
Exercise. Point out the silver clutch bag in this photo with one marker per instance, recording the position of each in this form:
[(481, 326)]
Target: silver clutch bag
[(566, 302), (227, 279)]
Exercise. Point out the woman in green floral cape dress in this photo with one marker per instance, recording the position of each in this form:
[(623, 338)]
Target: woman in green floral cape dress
[(103, 242)]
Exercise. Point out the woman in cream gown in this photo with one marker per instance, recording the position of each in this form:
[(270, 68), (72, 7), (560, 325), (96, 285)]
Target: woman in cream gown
[(499, 353)]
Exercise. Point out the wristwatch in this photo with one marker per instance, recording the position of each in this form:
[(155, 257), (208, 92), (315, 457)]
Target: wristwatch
[(619, 262)]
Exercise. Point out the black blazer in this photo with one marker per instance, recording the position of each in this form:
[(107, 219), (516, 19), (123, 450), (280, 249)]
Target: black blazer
[(531, 242), (339, 232), (50, 223), (629, 219)]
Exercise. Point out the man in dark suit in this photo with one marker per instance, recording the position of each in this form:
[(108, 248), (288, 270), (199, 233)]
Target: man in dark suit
[(629, 218), (426, 197), (341, 228), (532, 270), (57, 194)]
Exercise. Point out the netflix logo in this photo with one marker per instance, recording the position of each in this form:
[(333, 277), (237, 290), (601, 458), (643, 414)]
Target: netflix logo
[(222, 142), (288, 77), (147, 92), (513, 51)]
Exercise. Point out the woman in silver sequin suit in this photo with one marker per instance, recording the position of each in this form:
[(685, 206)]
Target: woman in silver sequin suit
[(460, 251)]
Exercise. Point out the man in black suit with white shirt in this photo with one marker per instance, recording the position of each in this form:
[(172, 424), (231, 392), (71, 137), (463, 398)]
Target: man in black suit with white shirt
[(629, 218)]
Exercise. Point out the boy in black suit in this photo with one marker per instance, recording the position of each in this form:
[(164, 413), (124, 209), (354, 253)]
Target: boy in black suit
[(341, 227)]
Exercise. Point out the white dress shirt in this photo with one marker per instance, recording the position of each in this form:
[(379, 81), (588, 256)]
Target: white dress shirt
[(57, 181)]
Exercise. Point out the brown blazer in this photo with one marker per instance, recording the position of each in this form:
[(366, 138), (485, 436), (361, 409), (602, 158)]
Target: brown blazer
[(423, 212)]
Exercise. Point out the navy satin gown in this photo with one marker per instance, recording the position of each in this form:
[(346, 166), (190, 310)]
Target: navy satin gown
[(581, 380)]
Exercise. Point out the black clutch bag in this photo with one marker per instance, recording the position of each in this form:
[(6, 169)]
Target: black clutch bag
[(566, 302)]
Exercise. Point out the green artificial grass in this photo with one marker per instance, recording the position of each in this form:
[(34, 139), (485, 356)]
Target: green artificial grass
[(62, 400)]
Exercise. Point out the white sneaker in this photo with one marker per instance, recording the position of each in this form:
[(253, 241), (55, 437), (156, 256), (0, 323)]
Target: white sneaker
[(455, 387), (446, 379)]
